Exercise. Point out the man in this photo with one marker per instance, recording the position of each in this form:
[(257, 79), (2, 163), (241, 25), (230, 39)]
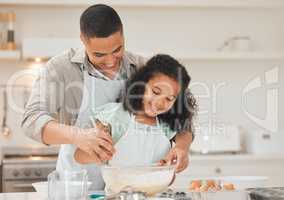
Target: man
[(51, 115)]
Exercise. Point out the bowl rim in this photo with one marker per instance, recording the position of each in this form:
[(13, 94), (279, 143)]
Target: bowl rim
[(151, 166)]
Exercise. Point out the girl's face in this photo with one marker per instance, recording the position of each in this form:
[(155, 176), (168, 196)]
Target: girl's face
[(160, 94)]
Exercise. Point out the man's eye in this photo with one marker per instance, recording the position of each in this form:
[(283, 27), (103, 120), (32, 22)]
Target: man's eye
[(99, 55), (117, 50)]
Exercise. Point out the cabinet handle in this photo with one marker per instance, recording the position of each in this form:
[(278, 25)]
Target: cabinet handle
[(218, 170)]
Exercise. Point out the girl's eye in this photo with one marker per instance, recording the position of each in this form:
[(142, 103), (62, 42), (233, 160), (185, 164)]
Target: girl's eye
[(156, 92), (171, 98)]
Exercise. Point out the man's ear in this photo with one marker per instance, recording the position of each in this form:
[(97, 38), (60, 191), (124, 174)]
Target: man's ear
[(82, 38)]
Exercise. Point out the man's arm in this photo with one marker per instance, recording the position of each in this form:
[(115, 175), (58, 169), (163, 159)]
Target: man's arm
[(44, 105), (41, 121), (84, 158)]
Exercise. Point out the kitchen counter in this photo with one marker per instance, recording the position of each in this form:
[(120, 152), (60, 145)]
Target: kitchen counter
[(257, 194), (216, 196), (236, 157), (18, 196)]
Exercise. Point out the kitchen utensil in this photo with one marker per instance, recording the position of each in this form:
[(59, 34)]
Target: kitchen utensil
[(5, 129), (71, 185), (106, 126), (149, 179), (127, 194), (96, 196), (184, 194)]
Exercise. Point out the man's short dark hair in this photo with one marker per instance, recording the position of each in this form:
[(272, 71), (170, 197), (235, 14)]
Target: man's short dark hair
[(100, 21)]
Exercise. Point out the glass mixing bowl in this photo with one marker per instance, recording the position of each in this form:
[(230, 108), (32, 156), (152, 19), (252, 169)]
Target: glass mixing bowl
[(149, 179)]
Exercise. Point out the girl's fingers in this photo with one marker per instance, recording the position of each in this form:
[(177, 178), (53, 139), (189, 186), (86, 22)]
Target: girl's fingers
[(162, 162)]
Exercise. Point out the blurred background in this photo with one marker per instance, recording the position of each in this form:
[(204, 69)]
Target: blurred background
[(233, 50)]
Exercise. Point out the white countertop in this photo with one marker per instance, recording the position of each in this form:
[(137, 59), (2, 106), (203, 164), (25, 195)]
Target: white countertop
[(212, 196), (236, 157), (18, 196)]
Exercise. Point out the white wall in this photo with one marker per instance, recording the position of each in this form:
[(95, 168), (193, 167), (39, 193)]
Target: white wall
[(180, 31)]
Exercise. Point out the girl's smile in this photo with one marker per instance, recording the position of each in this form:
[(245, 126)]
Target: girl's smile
[(160, 94)]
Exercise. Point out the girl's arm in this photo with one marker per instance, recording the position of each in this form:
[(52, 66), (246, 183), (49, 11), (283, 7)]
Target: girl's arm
[(179, 154), (183, 140)]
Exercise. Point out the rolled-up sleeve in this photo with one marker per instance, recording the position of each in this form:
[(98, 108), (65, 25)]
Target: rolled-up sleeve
[(44, 102)]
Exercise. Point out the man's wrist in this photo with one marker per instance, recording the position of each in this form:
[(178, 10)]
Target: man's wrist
[(72, 134)]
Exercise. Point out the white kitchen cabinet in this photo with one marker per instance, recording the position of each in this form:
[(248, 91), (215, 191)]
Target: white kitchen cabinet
[(234, 165)]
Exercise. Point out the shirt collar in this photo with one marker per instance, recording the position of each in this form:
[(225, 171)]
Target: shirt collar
[(81, 58)]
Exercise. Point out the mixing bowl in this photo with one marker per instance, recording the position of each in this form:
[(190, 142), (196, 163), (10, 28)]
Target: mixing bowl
[(149, 179)]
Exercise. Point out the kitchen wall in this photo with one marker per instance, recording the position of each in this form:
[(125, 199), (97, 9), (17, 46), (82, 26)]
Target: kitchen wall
[(219, 83)]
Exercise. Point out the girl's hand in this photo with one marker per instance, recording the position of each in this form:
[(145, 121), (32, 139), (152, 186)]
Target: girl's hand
[(177, 156)]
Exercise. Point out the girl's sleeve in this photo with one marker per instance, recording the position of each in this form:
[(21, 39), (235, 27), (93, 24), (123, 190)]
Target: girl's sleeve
[(114, 115)]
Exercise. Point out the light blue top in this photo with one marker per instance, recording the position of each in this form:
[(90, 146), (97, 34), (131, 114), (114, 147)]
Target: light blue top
[(119, 119)]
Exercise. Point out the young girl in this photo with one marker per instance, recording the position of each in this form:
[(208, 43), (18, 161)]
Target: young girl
[(155, 105)]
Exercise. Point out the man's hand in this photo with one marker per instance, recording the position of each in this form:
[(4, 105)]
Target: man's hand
[(178, 156), (97, 142)]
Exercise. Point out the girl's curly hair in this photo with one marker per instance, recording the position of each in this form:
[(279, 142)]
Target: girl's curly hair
[(179, 118)]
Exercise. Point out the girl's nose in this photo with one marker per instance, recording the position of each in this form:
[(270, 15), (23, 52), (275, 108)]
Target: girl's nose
[(161, 104)]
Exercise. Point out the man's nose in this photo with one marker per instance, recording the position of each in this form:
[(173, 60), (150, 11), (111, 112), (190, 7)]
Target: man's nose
[(110, 59)]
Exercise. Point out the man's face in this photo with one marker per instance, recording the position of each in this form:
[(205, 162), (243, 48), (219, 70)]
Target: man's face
[(105, 53)]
